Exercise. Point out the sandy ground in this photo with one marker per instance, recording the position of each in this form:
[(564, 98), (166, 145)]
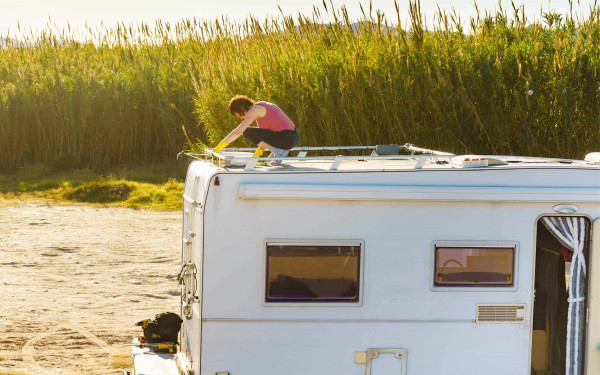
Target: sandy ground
[(75, 279)]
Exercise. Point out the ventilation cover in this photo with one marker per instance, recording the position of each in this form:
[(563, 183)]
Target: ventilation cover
[(500, 313)]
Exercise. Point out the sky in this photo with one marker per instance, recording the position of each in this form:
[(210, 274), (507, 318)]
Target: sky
[(36, 13)]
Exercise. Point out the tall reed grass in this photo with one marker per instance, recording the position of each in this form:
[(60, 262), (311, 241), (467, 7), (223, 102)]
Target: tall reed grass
[(503, 85), (506, 85), (112, 99)]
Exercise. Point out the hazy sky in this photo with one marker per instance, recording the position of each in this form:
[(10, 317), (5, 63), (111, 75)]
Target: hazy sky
[(35, 13)]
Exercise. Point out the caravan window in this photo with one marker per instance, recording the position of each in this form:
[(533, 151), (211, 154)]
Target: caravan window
[(474, 266), (313, 273)]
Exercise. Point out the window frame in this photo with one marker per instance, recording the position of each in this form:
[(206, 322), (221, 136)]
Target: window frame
[(475, 244), (315, 242)]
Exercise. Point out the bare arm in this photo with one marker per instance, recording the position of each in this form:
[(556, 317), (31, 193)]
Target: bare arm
[(256, 111)]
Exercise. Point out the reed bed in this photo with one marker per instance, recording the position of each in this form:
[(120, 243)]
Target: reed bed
[(503, 84), (111, 99)]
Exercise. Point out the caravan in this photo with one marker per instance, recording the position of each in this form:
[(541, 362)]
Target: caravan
[(387, 263)]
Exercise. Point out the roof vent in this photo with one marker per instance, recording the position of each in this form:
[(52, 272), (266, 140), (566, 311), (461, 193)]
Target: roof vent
[(593, 157), (476, 161), (500, 313)]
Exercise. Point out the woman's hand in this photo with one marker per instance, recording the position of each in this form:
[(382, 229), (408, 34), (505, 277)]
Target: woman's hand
[(221, 145)]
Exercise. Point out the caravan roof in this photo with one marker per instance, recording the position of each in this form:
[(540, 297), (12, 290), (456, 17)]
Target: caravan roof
[(381, 158)]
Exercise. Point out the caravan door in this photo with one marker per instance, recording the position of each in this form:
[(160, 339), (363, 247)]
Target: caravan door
[(593, 339)]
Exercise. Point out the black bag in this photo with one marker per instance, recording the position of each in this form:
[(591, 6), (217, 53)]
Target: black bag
[(164, 328)]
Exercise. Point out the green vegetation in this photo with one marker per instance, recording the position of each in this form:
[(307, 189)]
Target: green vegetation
[(73, 104), (152, 188), (503, 85)]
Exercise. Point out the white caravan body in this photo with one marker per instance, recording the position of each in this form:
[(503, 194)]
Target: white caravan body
[(391, 216)]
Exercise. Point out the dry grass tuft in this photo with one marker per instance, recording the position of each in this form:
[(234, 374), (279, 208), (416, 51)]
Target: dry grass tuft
[(121, 361)]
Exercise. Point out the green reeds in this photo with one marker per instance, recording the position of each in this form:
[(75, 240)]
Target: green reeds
[(503, 84), (118, 97)]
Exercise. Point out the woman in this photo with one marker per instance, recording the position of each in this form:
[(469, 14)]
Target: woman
[(275, 131)]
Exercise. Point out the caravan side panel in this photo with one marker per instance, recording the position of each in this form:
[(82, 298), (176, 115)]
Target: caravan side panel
[(400, 307)]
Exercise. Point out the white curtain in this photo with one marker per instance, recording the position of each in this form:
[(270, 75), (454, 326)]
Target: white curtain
[(571, 233)]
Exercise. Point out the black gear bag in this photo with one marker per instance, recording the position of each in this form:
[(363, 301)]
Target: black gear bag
[(163, 328)]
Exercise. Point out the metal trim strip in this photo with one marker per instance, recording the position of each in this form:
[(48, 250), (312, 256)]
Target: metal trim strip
[(418, 193)]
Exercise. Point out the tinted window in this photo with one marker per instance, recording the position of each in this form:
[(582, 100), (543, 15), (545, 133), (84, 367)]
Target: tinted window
[(474, 266), (313, 273)]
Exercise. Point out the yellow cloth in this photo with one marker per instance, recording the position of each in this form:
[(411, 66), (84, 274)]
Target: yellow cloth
[(220, 146), (258, 153)]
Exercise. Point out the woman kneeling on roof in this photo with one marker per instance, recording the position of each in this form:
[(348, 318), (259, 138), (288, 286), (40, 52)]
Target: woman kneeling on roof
[(275, 131)]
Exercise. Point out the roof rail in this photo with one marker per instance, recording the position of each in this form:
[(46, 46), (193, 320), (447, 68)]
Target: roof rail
[(378, 152), (227, 158), (406, 146)]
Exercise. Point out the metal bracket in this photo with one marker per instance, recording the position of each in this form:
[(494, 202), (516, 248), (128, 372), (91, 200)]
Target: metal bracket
[(251, 164), (336, 164), (400, 354), (182, 273), (187, 308), (421, 162)]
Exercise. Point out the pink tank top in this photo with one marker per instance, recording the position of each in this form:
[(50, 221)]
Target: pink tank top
[(274, 120)]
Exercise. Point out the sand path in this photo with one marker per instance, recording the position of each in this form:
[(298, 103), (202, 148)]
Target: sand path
[(75, 279)]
